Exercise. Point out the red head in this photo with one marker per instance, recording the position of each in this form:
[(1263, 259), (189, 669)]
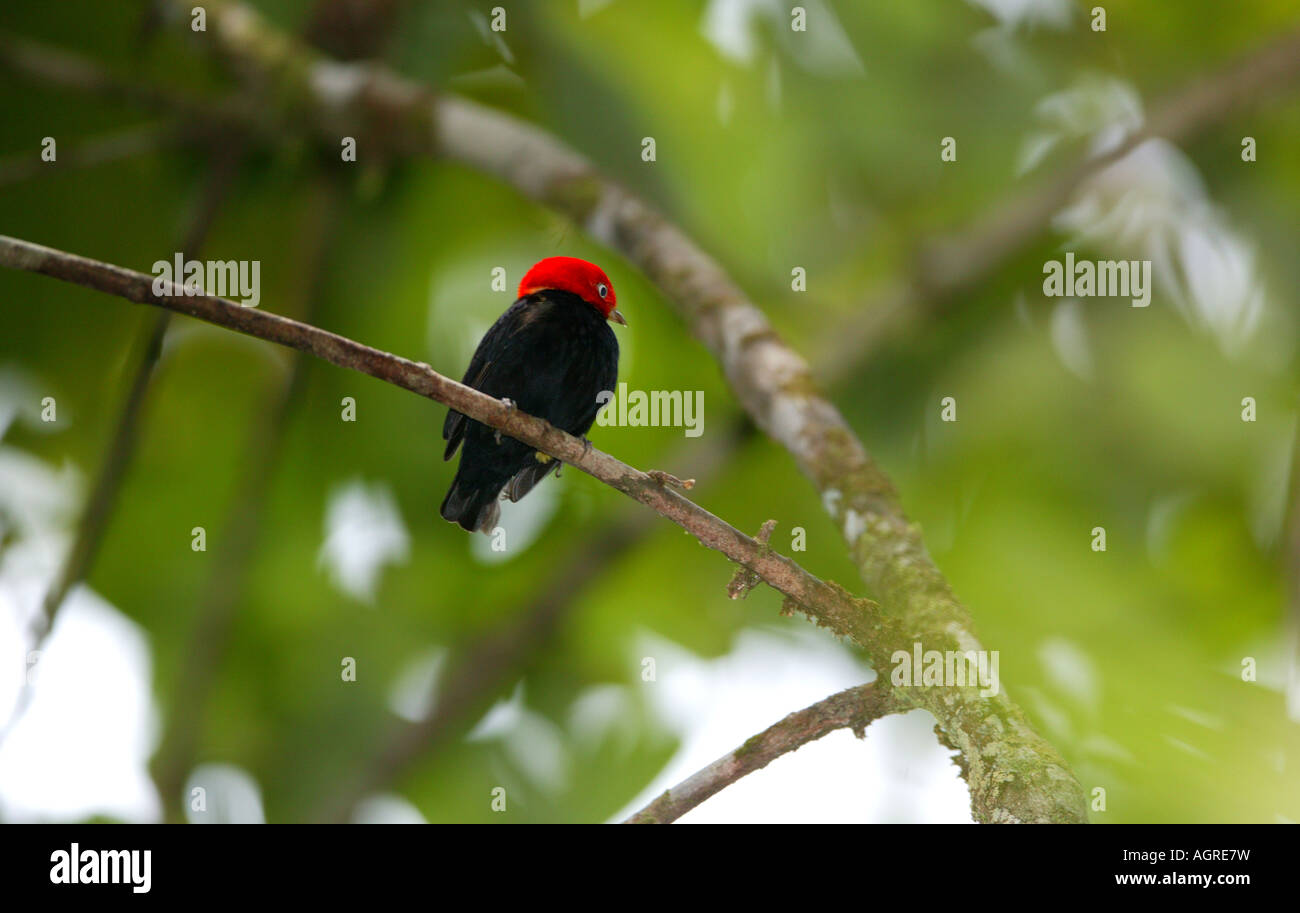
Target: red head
[(569, 274)]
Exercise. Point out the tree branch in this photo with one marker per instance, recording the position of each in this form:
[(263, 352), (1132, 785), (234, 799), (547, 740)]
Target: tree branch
[(90, 529), (854, 708), (954, 263), (944, 266), (827, 603)]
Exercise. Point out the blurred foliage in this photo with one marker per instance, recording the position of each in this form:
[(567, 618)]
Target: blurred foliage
[(1128, 660)]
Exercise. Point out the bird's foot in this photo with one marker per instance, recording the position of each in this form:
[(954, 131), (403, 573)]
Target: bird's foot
[(510, 407)]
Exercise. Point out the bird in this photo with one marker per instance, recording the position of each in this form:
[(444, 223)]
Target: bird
[(551, 354)]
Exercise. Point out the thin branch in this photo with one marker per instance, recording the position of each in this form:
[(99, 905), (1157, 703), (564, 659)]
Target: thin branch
[(827, 603), (103, 495), (954, 261), (855, 709), (94, 518), (952, 264)]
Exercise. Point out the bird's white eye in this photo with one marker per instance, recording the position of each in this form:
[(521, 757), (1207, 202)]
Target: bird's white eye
[(601, 289)]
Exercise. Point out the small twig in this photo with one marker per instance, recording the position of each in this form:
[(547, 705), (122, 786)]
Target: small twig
[(744, 579), (855, 709), (948, 263), (664, 478)]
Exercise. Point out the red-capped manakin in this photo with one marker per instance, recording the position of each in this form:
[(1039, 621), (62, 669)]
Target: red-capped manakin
[(551, 353)]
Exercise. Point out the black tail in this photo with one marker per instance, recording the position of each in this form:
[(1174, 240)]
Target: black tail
[(473, 507)]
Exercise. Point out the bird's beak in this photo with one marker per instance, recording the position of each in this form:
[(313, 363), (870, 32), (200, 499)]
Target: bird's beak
[(617, 316)]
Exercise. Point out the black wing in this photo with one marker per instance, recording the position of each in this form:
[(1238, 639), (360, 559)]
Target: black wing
[(491, 347)]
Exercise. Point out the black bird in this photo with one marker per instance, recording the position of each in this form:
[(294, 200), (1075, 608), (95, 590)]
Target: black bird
[(551, 353)]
